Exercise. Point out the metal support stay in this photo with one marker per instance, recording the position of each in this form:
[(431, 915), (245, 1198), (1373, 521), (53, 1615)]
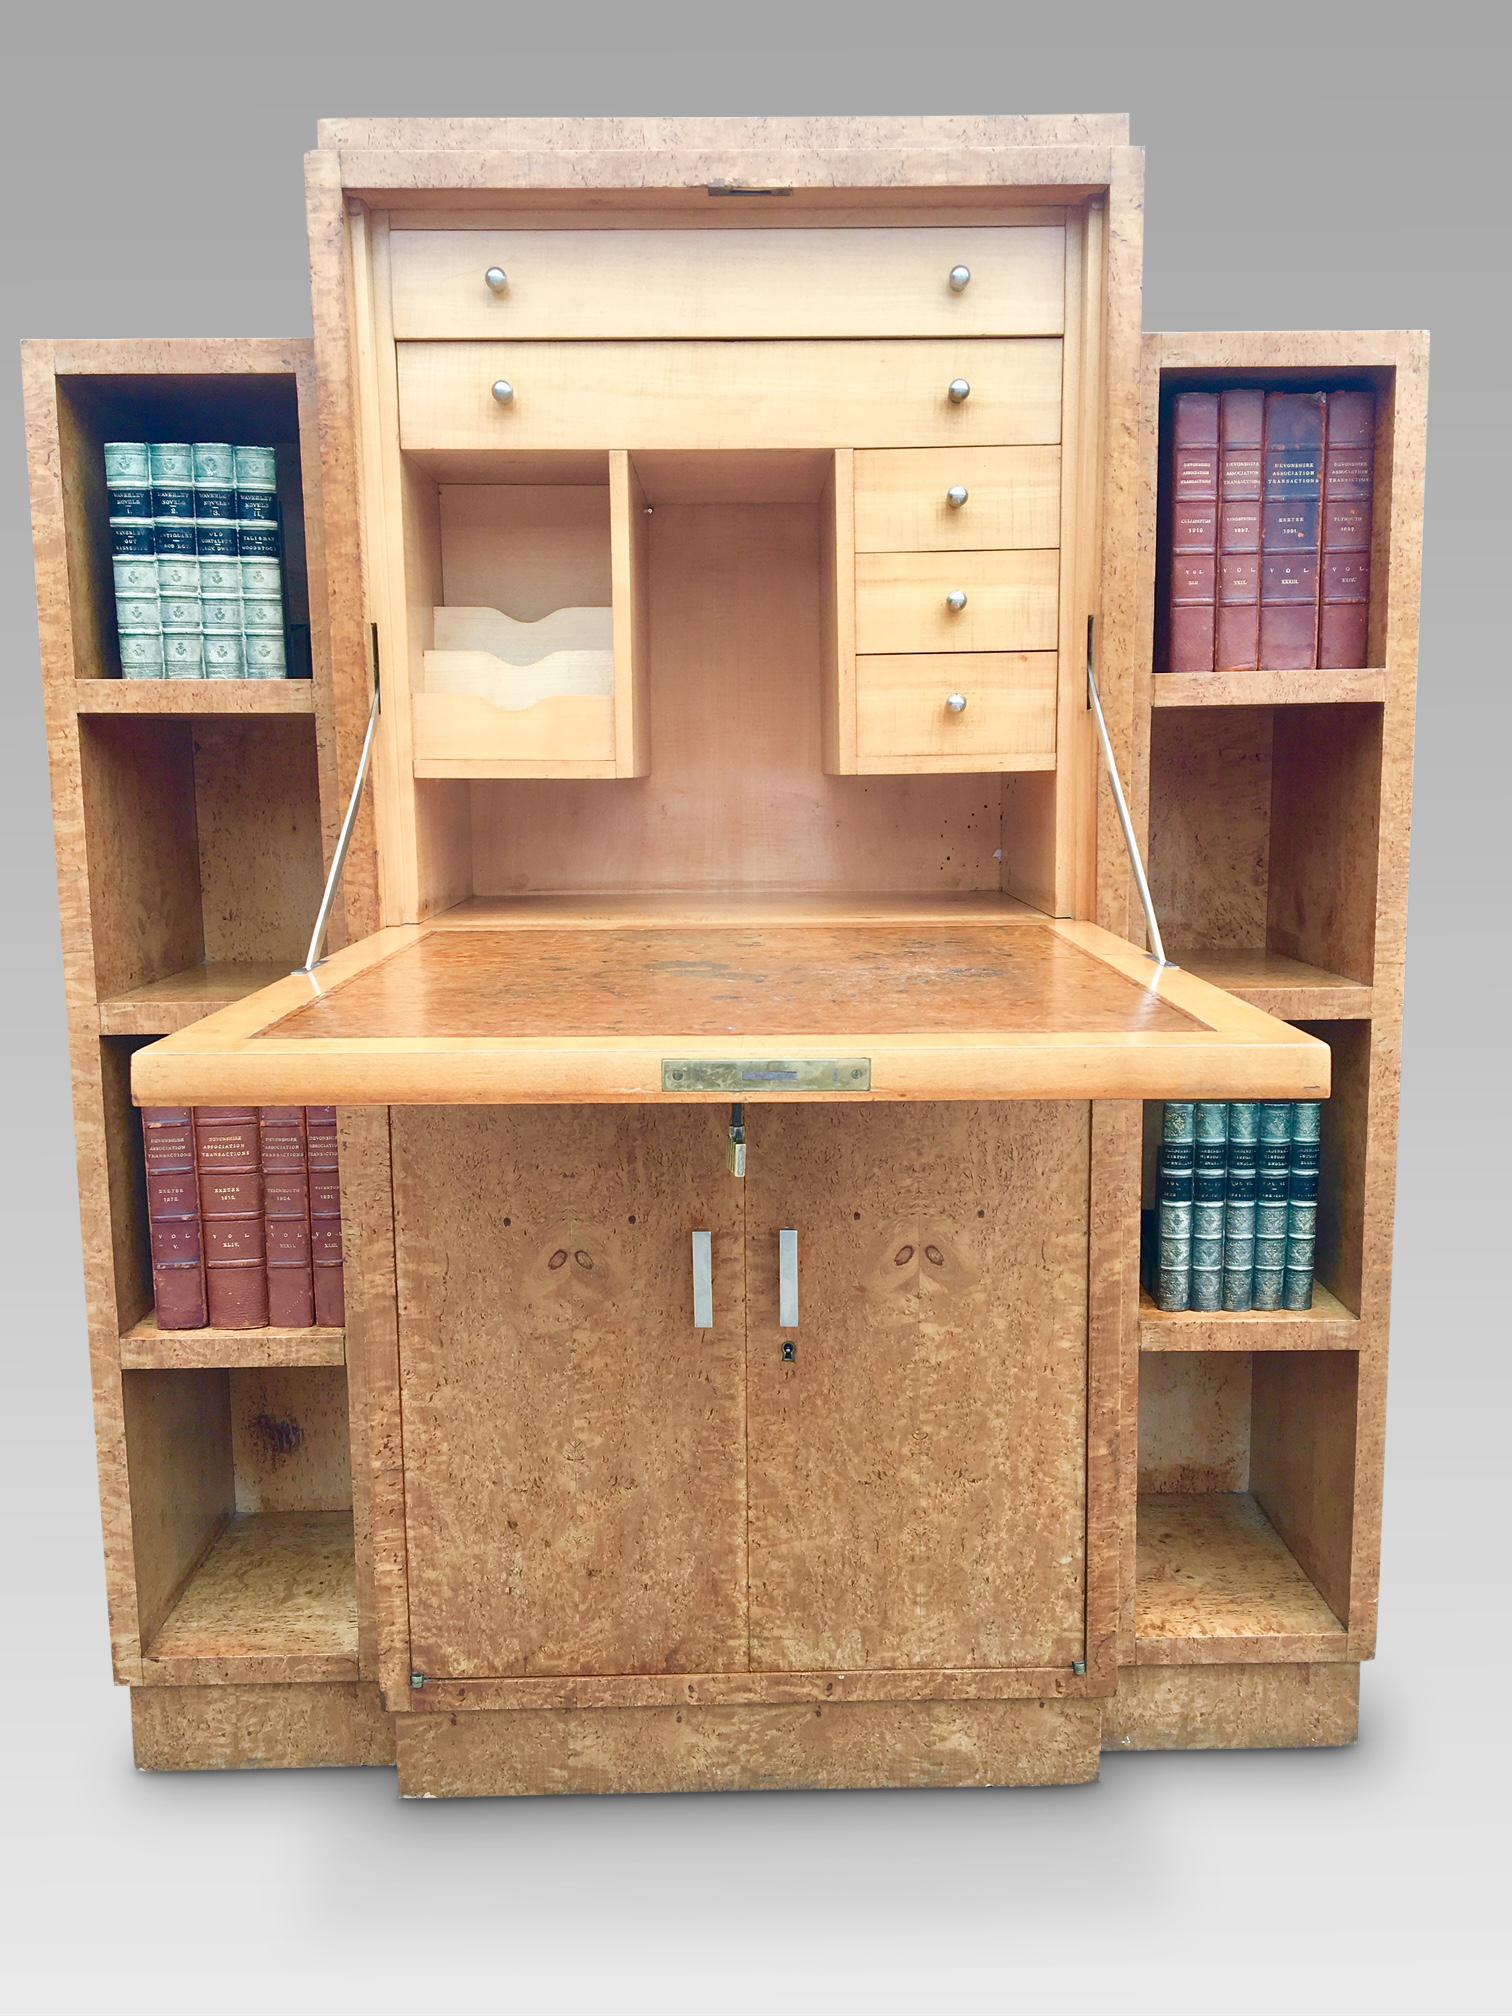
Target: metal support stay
[(1136, 859), (343, 841)]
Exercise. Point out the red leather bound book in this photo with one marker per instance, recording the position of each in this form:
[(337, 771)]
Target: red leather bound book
[(1241, 440), (231, 1212), (1194, 533), (286, 1217), (325, 1214), (1348, 487), (1289, 530), (173, 1217)]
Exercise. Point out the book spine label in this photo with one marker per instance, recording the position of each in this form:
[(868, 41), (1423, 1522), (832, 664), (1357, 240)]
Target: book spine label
[(173, 1217), (325, 1215), (1241, 448), (1348, 493), (286, 1217), (1193, 551), (231, 1211), (1289, 530)]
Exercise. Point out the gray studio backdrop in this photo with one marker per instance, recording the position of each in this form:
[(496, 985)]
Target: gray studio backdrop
[(1341, 168)]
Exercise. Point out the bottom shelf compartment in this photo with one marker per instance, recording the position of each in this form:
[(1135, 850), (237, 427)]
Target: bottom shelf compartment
[(1215, 1580), (241, 1518), (1244, 1541), (275, 1588)]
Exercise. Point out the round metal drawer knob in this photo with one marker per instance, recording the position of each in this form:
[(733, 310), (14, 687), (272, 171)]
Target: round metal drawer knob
[(956, 600), (956, 496), (497, 279), (503, 391), (960, 279), (960, 390), (955, 703)]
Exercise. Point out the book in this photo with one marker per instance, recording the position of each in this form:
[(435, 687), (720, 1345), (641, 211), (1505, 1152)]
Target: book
[(1193, 547), (1209, 1180), (1289, 530), (1275, 1168), (1302, 1204), (216, 558), (1241, 442), (133, 559), (228, 1156), (1174, 1190), (172, 468), (1348, 490), (325, 1214), (173, 1218), (260, 560), (286, 1217)]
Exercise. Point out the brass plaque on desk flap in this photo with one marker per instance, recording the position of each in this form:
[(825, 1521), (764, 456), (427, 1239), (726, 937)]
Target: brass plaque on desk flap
[(773, 1074)]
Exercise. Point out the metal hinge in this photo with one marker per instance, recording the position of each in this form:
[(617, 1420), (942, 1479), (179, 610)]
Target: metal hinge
[(417, 1681), (1079, 1667)]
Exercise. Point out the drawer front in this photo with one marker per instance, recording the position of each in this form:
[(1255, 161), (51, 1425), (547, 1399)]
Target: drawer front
[(727, 395), (595, 284), (1007, 723), (901, 601), (904, 504)]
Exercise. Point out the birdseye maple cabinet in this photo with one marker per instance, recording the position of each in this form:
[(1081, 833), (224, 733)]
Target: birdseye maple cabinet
[(738, 998)]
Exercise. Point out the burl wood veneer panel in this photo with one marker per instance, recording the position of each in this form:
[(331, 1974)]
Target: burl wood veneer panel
[(1233, 1708), (1019, 977), (918, 1471), (574, 1450), (259, 1728), (854, 1743)]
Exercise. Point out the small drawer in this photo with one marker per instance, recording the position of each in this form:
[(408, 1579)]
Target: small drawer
[(904, 601), (493, 283), (990, 710), (956, 500), (726, 395)]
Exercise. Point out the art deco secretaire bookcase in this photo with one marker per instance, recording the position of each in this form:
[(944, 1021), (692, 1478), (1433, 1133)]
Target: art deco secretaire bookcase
[(724, 512)]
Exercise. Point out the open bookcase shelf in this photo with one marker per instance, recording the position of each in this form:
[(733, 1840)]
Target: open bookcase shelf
[(194, 696), (145, 1347), (1217, 1583), (1276, 982), (1267, 689), (159, 1007), (274, 1598)]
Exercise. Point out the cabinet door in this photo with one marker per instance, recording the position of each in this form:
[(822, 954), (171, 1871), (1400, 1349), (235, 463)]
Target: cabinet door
[(574, 1449), (918, 1470)]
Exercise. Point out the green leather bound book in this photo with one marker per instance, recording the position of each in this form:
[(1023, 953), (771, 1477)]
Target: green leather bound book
[(1174, 1172), (1302, 1204), (1209, 1180)]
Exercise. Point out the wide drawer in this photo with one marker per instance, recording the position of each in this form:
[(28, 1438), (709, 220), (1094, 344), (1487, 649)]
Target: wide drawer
[(904, 499), (598, 284), (1007, 722), (902, 601), (727, 395)]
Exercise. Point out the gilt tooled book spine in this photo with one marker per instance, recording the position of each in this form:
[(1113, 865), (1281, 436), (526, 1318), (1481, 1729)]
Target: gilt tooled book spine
[(260, 546), (1193, 533), (1174, 1173), (1241, 444), (173, 1218), (1275, 1167), (1348, 489), (1209, 1176), (228, 1153), (286, 1217), (133, 557), (1302, 1204), (1289, 530), (325, 1214)]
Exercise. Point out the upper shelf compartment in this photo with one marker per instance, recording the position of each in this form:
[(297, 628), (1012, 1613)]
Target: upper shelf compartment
[(522, 1002), (936, 281)]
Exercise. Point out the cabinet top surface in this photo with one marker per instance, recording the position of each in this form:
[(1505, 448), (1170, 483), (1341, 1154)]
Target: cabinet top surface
[(973, 1003)]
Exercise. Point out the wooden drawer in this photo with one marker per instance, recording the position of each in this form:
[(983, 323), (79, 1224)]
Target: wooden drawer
[(1010, 601), (598, 284), (1008, 723), (903, 503), (727, 395)]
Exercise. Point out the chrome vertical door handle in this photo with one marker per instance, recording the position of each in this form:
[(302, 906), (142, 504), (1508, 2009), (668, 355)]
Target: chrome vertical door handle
[(703, 1281), (787, 1280)]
